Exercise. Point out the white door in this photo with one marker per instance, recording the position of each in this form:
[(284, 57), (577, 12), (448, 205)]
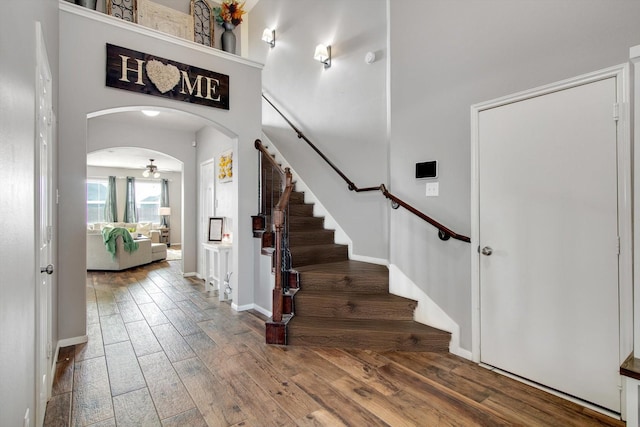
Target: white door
[(44, 230), (548, 237)]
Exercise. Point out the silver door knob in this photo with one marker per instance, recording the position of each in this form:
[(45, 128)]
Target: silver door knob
[(486, 251), (48, 269)]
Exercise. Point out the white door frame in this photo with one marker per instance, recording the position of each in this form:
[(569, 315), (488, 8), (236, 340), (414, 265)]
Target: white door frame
[(204, 220), (44, 124), (625, 260)]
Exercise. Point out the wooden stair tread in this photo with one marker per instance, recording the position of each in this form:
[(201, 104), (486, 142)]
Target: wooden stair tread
[(355, 296), (399, 326)]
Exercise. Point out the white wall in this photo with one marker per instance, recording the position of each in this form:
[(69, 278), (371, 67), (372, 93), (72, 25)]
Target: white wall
[(175, 193), (18, 260), (342, 110), (443, 56), (83, 93), (468, 52)]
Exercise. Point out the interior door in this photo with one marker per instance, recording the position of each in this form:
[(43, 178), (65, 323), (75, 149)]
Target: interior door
[(44, 231), (548, 241)]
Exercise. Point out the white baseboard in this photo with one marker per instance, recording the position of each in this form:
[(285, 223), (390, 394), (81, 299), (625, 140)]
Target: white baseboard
[(262, 310), (245, 307), (192, 274), (427, 311), (71, 341), (370, 260)]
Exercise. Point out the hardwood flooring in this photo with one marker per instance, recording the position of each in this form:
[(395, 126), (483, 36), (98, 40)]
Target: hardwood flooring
[(164, 351)]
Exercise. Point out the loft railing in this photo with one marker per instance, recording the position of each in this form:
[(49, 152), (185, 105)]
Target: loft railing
[(443, 232), (276, 186)]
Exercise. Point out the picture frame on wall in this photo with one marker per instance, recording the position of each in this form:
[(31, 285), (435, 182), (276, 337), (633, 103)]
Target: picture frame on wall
[(225, 166), (215, 228)]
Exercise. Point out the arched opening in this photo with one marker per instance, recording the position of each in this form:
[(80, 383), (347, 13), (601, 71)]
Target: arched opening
[(121, 142)]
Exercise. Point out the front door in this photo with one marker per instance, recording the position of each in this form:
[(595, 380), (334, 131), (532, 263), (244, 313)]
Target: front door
[(548, 240)]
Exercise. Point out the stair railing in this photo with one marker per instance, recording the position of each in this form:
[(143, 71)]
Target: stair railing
[(276, 186), (444, 233)]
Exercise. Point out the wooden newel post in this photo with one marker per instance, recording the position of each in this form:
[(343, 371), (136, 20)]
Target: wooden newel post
[(278, 217)]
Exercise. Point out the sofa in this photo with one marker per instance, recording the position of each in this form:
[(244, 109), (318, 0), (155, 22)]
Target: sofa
[(98, 258)]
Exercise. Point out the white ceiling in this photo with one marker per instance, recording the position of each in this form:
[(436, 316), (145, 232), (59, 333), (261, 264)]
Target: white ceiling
[(138, 158)]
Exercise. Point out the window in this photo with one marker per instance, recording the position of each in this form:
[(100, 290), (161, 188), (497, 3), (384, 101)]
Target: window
[(96, 196), (148, 200)]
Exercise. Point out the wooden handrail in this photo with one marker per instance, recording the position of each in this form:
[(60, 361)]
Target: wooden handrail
[(443, 232), (279, 221)]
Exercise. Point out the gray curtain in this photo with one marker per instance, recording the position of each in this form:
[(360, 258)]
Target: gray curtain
[(130, 212), (164, 201), (110, 203)]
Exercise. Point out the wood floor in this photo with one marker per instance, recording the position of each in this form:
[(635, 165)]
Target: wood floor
[(163, 351)]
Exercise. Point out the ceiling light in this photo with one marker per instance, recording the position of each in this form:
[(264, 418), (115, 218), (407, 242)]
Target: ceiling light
[(150, 113), (269, 36), (151, 170), (323, 54)]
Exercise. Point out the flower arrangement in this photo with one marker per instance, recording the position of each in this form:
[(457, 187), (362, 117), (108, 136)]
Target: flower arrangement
[(230, 12)]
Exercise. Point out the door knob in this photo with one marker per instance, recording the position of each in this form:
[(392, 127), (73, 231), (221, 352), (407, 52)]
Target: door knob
[(48, 269), (486, 251)]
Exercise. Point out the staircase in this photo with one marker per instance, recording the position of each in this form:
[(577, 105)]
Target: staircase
[(343, 303)]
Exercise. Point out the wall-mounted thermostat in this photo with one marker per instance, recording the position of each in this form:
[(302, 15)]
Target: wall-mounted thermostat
[(427, 169)]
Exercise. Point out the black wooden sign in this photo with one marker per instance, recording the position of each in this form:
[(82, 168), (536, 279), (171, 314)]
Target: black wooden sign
[(143, 73)]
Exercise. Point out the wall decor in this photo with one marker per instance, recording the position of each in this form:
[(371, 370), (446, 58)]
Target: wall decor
[(165, 19), (225, 166), (215, 229), (123, 9), (202, 14), (153, 75)]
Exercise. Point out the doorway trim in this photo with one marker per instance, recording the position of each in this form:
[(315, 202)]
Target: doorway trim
[(625, 260)]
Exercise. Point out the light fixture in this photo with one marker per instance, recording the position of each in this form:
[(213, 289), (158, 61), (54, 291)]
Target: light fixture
[(151, 170), (150, 113), (323, 54), (269, 36)]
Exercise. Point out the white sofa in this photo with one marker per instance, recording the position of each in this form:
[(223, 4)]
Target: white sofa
[(148, 251)]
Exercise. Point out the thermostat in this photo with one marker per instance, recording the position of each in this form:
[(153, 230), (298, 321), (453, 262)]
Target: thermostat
[(427, 169)]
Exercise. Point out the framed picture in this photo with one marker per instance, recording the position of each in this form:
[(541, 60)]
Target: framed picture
[(225, 166), (215, 229)]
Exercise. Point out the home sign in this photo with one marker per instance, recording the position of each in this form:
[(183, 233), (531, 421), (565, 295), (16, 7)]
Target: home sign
[(152, 75)]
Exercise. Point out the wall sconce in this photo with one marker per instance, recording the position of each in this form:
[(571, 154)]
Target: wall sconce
[(323, 54), (269, 36)]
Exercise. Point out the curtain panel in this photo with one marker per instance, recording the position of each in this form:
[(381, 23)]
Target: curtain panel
[(130, 212), (164, 201), (110, 203)]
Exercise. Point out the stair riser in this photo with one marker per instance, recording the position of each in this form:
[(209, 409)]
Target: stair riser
[(317, 255), (320, 237), (303, 223), (300, 210), (373, 340), (342, 283), (325, 306)]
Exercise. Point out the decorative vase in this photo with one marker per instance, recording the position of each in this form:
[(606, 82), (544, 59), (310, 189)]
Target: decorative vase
[(228, 39), (90, 4)]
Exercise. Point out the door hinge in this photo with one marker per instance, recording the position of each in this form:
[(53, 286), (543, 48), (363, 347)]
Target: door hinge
[(618, 245), (616, 111), (49, 350), (49, 233)]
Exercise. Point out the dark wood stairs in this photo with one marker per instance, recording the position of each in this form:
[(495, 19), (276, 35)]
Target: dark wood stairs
[(344, 303)]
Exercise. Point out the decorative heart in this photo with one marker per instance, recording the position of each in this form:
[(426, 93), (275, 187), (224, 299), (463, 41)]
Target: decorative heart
[(164, 76)]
